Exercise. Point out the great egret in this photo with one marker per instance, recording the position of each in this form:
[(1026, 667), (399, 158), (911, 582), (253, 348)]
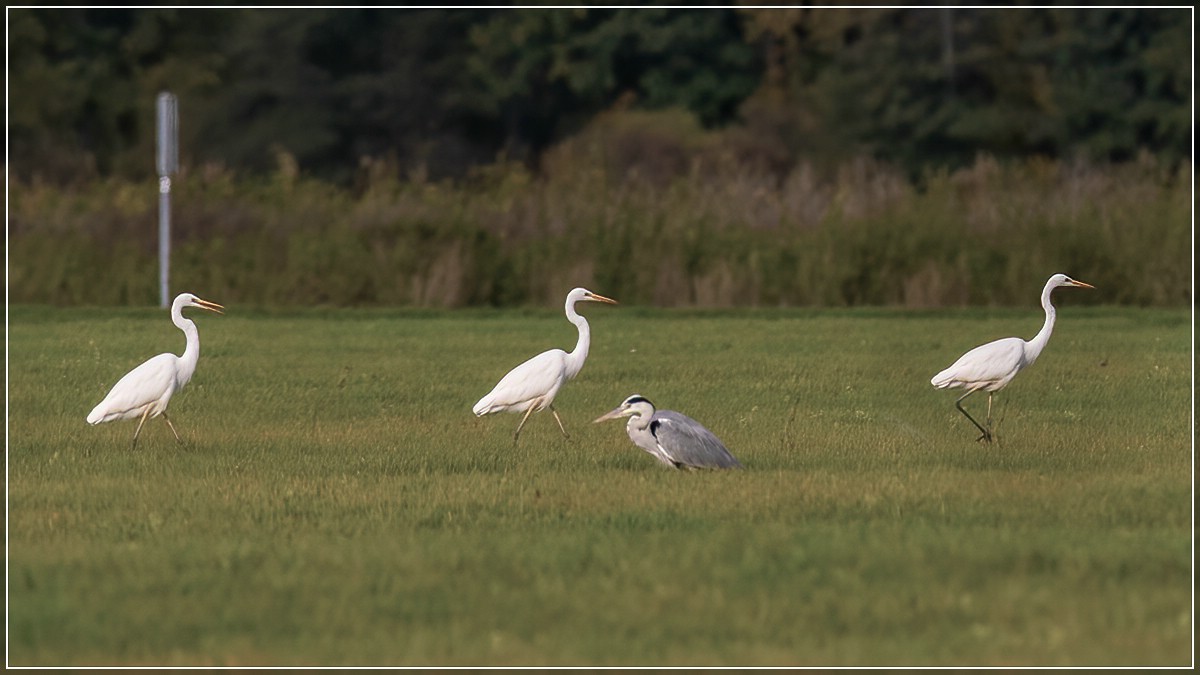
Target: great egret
[(672, 438), (533, 385), (146, 390), (992, 366)]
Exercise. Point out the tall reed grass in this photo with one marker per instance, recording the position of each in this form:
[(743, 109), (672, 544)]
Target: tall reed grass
[(668, 217)]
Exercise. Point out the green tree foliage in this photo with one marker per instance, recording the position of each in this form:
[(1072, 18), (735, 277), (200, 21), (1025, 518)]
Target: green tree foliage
[(68, 110), (939, 86), (544, 73), (326, 87), (443, 90), (397, 78)]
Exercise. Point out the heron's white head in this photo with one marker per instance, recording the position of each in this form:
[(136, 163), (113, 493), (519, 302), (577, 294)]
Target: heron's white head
[(633, 406), (188, 300), (1064, 280), (583, 294)]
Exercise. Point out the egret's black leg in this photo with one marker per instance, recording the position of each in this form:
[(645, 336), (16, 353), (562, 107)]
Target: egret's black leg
[(987, 435)]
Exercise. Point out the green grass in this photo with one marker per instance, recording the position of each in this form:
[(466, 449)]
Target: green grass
[(336, 503)]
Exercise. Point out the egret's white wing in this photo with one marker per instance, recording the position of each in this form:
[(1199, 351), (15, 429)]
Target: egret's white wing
[(991, 364), (149, 382), (536, 380)]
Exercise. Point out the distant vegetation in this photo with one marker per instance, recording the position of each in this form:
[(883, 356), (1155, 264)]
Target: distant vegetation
[(634, 208), (723, 157), (450, 89)]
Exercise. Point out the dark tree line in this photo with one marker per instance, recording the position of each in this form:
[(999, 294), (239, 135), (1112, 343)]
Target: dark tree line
[(446, 89)]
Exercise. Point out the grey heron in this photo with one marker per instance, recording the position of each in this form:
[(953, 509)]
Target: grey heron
[(990, 367), (533, 385), (673, 438)]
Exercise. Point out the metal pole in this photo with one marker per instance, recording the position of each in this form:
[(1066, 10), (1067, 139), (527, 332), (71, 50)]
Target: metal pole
[(164, 239), (168, 163)]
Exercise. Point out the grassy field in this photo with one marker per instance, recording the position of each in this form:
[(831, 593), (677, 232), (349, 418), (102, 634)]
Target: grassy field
[(336, 503)]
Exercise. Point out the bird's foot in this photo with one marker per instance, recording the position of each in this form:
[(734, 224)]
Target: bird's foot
[(986, 437)]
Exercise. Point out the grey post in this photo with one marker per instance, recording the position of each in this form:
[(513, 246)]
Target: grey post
[(168, 163)]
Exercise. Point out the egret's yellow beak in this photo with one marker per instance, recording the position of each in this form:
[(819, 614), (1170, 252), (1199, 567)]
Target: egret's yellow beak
[(600, 298), (210, 306), (1080, 284)]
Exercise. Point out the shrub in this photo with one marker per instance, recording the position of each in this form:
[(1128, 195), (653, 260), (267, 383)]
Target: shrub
[(690, 223)]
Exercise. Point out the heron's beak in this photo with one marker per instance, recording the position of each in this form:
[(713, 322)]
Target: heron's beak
[(601, 298), (612, 414), (210, 306), (1080, 284)]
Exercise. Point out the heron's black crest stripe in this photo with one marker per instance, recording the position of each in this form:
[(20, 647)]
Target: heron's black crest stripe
[(637, 399)]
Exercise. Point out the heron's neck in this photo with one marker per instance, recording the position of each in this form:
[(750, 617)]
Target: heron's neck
[(1034, 347), (578, 355), (638, 422), (191, 353)]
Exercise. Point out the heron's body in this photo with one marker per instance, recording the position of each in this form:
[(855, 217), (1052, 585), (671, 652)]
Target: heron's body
[(990, 367), (145, 391), (532, 386), (672, 438)]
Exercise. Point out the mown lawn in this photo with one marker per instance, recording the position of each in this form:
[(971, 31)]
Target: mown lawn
[(336, 503)]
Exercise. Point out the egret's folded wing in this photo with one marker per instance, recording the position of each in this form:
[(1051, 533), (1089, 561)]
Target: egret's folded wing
[(145, 384)]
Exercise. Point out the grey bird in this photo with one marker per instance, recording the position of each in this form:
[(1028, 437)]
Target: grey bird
[(672, 438)]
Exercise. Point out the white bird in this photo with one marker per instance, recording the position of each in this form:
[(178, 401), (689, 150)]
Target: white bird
[(145, 391), (992, 366), (533, 385), (671, 437)]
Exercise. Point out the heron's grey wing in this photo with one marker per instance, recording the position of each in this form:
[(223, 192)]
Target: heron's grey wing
[(644, 439), (688, 443)]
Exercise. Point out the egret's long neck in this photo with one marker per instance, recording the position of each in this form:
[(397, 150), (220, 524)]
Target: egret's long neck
[(1034, 347), (578, 355), (191, 353)]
